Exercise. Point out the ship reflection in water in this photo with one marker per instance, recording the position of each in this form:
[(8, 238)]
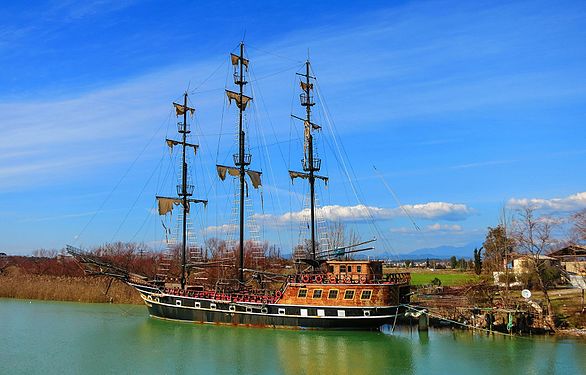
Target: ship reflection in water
[(257, 350), (405, 351)]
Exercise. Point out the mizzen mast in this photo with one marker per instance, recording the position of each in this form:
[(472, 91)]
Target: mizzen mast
[(310, 163)]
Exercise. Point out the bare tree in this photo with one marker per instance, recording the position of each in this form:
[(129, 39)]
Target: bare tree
[(533, 237), (338, 236), (214, 247), (578, 230)]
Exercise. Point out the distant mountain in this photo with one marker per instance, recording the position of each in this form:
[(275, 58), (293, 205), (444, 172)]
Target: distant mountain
[(442, 252)]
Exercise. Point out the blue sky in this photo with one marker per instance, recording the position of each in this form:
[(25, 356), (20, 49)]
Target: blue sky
[(463, 107)]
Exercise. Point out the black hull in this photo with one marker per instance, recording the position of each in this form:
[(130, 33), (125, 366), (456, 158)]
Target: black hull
[(200, 310)]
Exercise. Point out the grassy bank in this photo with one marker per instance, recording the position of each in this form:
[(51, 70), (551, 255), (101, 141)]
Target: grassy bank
[(63, 288), (447, 279), (424, 276)]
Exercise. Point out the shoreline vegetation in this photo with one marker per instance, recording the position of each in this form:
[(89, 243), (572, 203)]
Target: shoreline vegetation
[(87, 289), (59, 278)]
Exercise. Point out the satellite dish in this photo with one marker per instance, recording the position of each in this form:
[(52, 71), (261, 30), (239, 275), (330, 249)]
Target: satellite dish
[(526, 293)]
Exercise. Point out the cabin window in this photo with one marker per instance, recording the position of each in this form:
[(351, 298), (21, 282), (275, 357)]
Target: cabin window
[(232, 308), (342, 268), (281, 311), (349, 294), (212, 306), (302, 293), (321, 312), (349, 268), (248, 309), (197, 305), (341, 313), (317, 293), (333, 294), (178, 302), (264, 310), (366, 294), (330, 269), (358, 268), (366, 312)]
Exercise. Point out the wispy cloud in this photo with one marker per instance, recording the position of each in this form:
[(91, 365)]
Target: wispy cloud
[(482, 164), (75, 9), (52, 138), (220, 229), (570, 203), (58, 217)]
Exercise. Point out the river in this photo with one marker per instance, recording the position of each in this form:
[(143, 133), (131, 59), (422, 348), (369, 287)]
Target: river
[(74, 338)]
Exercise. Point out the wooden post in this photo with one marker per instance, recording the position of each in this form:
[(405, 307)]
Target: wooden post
[(423, 322)]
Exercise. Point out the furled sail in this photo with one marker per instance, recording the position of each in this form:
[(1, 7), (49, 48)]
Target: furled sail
[(235, 59), (304, 86), (294, 175), (235, 172), (314, 126), (166, 205), (254, 178), (236, 96), (222, 169), (180, 109), (171, 143)]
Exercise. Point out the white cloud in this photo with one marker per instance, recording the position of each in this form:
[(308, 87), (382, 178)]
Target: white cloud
[(437, 210), (444, 227), (224, 228), (426, 211), (569, 203)]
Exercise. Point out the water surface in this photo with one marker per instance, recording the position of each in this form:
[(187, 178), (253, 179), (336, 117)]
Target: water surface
[(74, 338)]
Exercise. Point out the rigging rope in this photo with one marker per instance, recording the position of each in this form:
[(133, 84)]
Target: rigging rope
[(396, 199), (297, 62), (349, 170), (77, 238)]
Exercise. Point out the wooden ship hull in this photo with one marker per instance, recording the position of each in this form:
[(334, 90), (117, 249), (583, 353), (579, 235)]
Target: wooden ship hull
[(283, 310)]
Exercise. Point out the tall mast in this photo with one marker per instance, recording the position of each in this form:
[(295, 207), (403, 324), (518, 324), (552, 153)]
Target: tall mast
[(310, 163), (184, 190), (241, 159), (310, 168), (184, 196), (241, 163)]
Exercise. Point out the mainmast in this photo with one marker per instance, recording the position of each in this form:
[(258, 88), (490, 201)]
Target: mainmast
[(310, 163), (184, 190), (241, 162), (241, 159)]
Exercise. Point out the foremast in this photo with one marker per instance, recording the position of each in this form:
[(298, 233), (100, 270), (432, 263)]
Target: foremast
[(184, 190), (310, 163), (242, 159)]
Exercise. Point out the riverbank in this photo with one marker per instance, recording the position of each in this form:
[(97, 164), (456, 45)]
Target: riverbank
[(65, 288)]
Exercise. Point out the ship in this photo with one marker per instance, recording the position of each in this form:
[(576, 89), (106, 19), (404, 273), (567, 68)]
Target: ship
[(327, 288)]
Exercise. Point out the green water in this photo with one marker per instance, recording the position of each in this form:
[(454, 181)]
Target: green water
[(74, 338)]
